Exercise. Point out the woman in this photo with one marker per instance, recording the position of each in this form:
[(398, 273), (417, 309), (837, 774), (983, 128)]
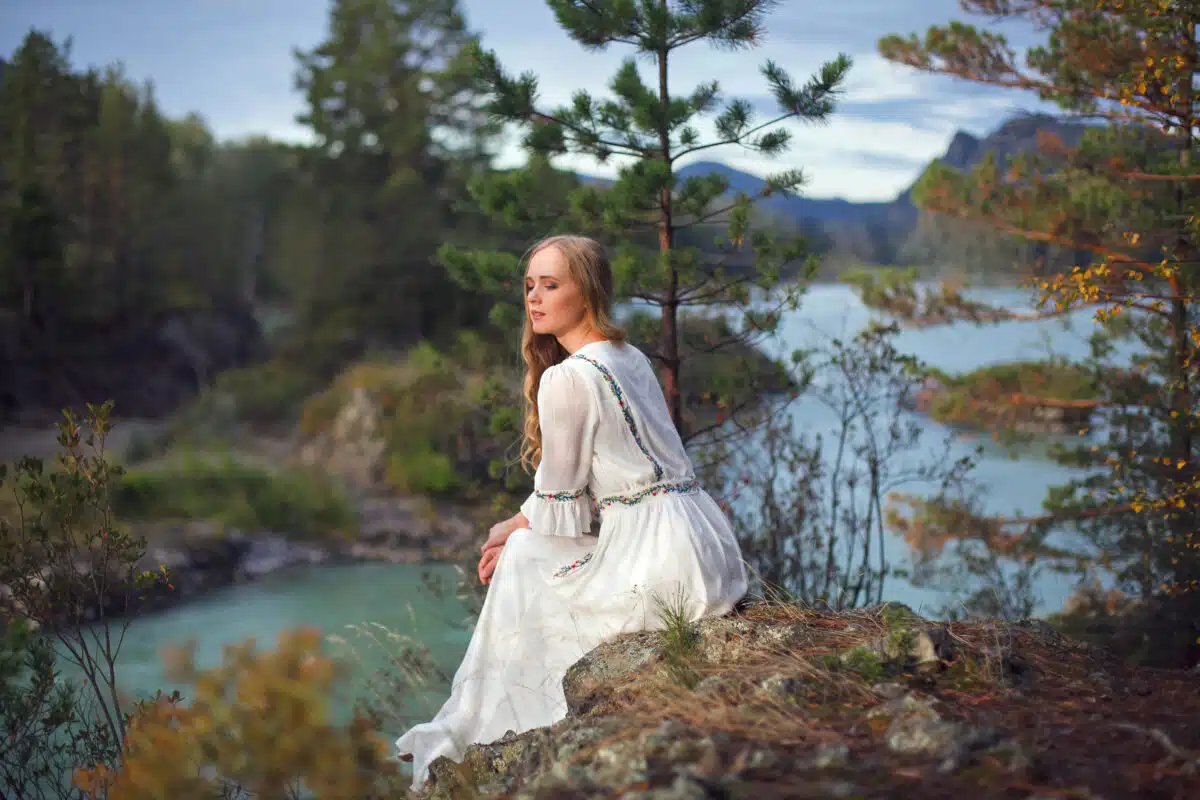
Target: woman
[(598, 431)]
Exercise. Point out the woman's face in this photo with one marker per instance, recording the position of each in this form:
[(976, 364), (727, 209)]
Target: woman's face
[(553, 300)]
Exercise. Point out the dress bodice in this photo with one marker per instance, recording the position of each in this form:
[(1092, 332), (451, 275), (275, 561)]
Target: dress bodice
[(607, 438)]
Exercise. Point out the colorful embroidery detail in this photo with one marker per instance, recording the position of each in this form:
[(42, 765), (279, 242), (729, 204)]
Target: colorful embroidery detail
[(563, 496), (633, 498), (574, 565), (629, 421)]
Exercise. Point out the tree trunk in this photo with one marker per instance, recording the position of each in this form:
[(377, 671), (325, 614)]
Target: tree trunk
[(1186, 612), (669, 355)]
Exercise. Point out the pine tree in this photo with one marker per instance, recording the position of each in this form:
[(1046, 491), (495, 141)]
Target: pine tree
[(1126, 196), (387, 100), (677, 244)]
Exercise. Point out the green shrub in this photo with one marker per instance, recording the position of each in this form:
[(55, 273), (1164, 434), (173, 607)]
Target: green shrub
[(66, 567), (261, 396), (1009, 392), (447, 419), (248, 496), (269, 392)]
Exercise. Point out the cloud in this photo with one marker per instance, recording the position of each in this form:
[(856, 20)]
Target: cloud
[(890, 121), (232, 62)]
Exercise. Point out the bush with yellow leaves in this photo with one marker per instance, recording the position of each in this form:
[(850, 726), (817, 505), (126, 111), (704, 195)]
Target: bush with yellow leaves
[(260, 725)]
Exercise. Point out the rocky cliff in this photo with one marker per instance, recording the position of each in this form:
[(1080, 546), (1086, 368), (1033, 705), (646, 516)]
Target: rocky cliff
[(147, 368), (780, 701), (877, 232)]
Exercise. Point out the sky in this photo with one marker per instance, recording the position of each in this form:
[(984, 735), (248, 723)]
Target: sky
[(232, 62)]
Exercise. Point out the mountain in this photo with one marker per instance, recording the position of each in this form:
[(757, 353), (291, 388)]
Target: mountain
[(877, 232)]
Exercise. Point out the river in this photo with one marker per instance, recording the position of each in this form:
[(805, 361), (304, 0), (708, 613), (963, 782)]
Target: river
[(393, 596)]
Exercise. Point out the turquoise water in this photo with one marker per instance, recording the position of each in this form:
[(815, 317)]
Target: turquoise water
[(356, 603), (393, 596)]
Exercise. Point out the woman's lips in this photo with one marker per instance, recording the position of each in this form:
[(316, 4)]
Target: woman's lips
[(537, 314)]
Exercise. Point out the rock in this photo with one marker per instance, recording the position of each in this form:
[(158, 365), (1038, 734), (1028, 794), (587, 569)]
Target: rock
[(353, 448), (589, 679), (780, 687), (920, 646), (728, 638), (916, 728), (755, 727), (712, 685), (830, 755)]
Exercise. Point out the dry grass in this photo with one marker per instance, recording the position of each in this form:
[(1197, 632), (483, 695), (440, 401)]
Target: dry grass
[(738, 706), (1089, 724)]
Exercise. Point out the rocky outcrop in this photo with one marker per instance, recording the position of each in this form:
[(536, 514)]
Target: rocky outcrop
[(789, 702), (148, 369), (353, 448)]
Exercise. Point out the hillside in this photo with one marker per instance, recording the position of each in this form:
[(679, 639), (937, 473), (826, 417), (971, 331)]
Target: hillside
[(881, 232)]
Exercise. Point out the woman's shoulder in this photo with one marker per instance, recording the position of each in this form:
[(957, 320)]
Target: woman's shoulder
[(569, 375), (613, 365)]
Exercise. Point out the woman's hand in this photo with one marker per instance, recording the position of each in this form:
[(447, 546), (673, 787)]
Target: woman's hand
[(487, 564), (498, 535)]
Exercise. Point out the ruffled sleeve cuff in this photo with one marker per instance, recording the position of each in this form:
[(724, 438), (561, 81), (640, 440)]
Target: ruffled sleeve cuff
[(562, 513)]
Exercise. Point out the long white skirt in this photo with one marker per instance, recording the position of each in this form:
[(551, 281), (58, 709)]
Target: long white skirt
[(554, 598)]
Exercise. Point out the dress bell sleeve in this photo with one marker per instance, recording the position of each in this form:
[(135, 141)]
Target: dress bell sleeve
[(567, 414)]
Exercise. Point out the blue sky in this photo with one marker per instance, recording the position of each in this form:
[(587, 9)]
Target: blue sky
[(231, 61)]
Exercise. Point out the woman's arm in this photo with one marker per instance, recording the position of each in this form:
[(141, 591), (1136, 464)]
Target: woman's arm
[(568, 415)]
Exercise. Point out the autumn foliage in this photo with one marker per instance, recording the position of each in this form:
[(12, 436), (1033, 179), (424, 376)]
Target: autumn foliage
[(259, 725), (1124, 200)]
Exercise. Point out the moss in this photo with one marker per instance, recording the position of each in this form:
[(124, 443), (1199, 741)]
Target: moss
[(864, 662), (897, 616)]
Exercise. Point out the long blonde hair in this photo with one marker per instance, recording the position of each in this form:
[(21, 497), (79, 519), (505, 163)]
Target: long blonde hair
[(589, 268)]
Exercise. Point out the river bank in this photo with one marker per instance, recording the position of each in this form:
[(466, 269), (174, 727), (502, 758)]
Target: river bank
[(216, 520), (202, 556), (195, 558)]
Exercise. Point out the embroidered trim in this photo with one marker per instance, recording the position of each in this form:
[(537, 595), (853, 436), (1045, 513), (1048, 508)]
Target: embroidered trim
[(629, 421), (574, 565), (565, 496), (633, 498)]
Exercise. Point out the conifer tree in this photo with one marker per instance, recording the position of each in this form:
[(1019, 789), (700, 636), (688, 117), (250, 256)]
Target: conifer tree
[(676, 244), (1126, 196), (382, 91)]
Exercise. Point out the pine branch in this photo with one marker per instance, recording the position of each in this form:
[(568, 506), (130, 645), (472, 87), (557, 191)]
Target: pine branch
[(711, 293), (731, 140), (1044, 236), (616, 148), (1077, 515)]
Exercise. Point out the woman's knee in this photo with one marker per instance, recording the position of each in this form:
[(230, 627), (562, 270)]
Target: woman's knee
[(517, 542)]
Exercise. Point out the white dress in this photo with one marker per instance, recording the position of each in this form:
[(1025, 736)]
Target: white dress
[(608, 447)]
